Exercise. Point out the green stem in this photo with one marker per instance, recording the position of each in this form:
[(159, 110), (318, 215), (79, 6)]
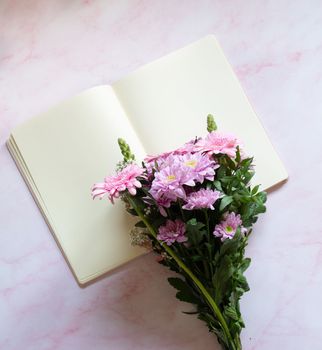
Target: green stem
[(238, 342), (205, 266), (196, 281), (207, 221), (209, 237), (181, 210)]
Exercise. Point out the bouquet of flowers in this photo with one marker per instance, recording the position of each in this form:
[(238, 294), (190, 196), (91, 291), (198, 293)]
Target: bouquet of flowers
[(195, 209)]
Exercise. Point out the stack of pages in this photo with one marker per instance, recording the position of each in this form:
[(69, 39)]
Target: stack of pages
[(62, 152)]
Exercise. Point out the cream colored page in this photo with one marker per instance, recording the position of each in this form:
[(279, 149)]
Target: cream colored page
[(168, 101), (68, 149)]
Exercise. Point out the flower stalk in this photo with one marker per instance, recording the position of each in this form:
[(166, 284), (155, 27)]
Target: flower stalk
[(196, 208), (200, 286)]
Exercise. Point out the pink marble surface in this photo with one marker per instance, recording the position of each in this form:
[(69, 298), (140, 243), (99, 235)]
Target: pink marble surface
[(50, 50)]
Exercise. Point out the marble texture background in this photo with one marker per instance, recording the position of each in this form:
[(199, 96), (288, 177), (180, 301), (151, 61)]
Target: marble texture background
[(51, 50)]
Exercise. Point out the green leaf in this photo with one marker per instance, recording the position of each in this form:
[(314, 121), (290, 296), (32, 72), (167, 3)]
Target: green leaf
[(221, 172), (236, 327), (196, 258), (209, 247), (132, 212), (245, 264), (248, 176), (238, 155), (254, 190), (195, 231), (242, 282), (222, 278), (246, 163), (217, 185), (231, 312), (184, 291), (262, 196), (231, 164), (230, 246), (225, 201)]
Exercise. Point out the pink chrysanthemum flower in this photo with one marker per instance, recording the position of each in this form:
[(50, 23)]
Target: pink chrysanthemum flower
[(158, 162), (175, 171), (172, 231), (202, 199), (216, 143), (200, 166), (169, 180), (228, 226), (126, 179), (188, 147), (158, 158)]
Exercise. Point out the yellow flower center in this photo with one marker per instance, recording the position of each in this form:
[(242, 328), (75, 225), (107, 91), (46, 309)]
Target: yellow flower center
[(229, 229), (191, 163), (171, 177)]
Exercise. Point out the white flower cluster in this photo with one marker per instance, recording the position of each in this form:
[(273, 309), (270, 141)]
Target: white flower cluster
[(139, 237)]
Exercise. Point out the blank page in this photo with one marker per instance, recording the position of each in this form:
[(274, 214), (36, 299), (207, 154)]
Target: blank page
[(65, 151), (168, 101)]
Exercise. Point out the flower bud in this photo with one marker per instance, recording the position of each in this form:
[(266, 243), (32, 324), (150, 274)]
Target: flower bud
[(125, 150), (211, 125)]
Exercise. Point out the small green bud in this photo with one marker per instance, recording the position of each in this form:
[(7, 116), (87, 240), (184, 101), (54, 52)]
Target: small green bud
[(211, 125), (125, 150)]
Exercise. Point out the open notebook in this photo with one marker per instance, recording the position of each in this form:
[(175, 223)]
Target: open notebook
[(62, 152)]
